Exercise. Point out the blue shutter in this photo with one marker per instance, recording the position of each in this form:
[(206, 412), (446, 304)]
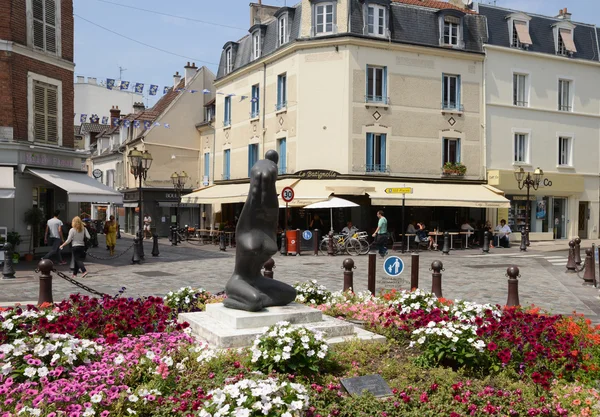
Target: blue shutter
[(249, 159), (382, 162), (282, 156), (206, 165), (457, 150), (458, 85), (278, 92), (385, 93), (227, 164), (369, 152)]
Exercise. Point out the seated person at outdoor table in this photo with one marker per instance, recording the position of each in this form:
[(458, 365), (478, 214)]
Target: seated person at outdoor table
[(423, 236), (411, 228), (350, 229), (503, 231), (466, 227)]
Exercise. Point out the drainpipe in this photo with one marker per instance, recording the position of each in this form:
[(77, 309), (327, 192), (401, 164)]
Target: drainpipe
[(264, 106), (598, 218)]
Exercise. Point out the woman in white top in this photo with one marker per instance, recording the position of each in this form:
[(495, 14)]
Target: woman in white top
[(77, 236)]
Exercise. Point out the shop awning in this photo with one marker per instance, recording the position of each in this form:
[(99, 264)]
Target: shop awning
[(130, 205), (227, 193), (79, 186), (312, 191), (439, 195), (7, 182)]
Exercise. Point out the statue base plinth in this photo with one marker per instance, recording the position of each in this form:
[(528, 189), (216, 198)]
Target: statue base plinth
[(226, 328)]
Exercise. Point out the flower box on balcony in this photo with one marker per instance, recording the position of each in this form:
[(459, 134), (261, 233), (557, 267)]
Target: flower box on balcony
[(455, 169)]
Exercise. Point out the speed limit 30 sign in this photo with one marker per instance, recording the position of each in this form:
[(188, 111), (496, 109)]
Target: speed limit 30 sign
[(287, 194)]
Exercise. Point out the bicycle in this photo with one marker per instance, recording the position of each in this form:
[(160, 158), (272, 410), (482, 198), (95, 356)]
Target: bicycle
[(342, 244)]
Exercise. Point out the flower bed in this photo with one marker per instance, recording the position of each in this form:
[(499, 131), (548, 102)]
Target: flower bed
[(126, 357)]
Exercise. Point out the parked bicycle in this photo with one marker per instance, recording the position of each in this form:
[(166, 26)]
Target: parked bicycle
[(352, 245)]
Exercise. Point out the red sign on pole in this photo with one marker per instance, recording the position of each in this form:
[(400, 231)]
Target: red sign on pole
[(287, 194)]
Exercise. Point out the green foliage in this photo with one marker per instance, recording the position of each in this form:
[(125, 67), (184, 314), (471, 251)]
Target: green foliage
[(454, 168), (14, 238)]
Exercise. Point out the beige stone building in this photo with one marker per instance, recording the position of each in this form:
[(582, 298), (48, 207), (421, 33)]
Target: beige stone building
[(359, 98)]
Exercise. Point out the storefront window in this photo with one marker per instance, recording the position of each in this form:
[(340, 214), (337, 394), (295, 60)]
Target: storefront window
[(517, 214)]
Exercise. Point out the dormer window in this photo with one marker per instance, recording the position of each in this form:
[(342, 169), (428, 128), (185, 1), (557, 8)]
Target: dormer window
[(376, 20), (256, 45), (324, 17), (518, 30), (565, 45), (282, 26), (451, 32), (228, 60)]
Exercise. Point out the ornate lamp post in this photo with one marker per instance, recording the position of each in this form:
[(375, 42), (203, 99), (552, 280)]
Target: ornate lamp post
[(529, 181), (140, 163), (178, 184)]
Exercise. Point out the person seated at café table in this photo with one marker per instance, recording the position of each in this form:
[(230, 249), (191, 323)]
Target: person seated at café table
[(350, 229), (423, 236), (503, 231), (411, 228)]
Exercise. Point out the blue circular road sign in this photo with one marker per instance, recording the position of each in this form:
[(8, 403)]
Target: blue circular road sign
[(307, 235), (393, 266)]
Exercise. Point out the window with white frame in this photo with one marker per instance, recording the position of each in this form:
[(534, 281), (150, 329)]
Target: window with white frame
[(45, 28), (376, 84), (256, 45), (451, 92), (376, 152), (520, 92), (564, 95), (227, 112), (283, 29), (281, 91), (451, 34), (255, 100), (521, 148), (324, 18), (376, 21), (228, 60), (45, 112), (564, 151), (451, 151)]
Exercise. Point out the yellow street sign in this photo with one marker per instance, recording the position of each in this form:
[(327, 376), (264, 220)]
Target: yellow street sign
[(405, 190)]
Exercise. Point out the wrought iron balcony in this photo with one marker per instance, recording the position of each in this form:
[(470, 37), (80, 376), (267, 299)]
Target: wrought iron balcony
[(373, 169), (377, 99), (452, 106)]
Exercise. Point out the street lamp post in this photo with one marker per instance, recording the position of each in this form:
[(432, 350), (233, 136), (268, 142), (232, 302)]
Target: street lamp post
[(178, 183), (529, 181), (140, 163)]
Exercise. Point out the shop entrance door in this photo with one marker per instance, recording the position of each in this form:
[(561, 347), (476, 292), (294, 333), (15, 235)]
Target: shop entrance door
[(583, 220), (560, 218)]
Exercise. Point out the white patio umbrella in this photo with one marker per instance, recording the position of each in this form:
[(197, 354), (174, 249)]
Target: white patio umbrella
[(331, 203)]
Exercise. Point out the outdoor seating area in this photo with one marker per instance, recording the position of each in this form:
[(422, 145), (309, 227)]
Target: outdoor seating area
[(458, 240)]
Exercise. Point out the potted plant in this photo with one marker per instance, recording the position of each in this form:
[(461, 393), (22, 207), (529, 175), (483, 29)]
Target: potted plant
[(14, 238), (33, 218), (454, 168)]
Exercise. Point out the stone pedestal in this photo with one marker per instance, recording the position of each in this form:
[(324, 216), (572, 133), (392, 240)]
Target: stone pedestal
[(226, 328)]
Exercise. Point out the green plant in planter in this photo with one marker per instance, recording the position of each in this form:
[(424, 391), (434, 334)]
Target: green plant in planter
[(33, 218), (14, 238), (454, 168)]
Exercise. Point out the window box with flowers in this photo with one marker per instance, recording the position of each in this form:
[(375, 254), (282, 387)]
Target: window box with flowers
[(454, 168)]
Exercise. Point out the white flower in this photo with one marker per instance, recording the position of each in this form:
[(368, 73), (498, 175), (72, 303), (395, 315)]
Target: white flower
[(30, 372), (42, 372), (310, 353), (150, 355), (96, 398), (167, 360), (119, 360), (421, 340), (133, 398), (130, 411), (321, 354), (8, 324), (277, 358)]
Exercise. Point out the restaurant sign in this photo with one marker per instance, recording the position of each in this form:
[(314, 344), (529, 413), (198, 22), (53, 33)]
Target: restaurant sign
[(317, 174), (53, 161)]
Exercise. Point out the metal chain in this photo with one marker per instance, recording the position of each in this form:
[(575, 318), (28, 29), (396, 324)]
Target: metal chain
[(110, 257), (79, 284)]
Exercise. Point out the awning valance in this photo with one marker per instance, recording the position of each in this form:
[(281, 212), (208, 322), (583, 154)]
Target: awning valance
[(440, 195), (227, 193), (7, 182), (79, 186)]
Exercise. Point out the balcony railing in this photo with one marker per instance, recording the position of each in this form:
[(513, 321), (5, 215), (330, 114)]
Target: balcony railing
[(451, 106), (564, 108), (373, 169), (520, 103), (377, 99)]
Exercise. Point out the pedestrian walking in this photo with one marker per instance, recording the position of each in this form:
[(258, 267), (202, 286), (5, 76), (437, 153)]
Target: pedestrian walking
[(110, 231), (54, 237), (77, 236), (147, 226), (381, 234)]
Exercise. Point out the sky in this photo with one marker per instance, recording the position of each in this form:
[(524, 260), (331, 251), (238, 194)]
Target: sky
[(210, 24)]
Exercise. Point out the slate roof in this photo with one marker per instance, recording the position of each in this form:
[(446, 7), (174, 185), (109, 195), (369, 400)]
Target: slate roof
[(93, 127), (412, 21), (541, 32)]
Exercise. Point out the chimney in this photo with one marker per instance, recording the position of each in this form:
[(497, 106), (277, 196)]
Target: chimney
[(80, 79), (176, 79), (190, 71), (92, 80), (564, 14), (138, 107), (115, 113)]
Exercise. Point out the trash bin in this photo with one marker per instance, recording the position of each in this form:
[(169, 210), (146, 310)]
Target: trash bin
[(292, 244)]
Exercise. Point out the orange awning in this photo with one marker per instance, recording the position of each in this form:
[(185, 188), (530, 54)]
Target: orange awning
[(523, 33), (567, 38)]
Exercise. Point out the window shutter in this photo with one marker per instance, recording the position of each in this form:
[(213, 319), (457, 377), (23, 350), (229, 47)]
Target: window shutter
[(50, 12), (39, 122), (282, 155), (458, 151), (249, 159), (382, 155), (52, 114), (38, 23), (369, 151), (452, 19)]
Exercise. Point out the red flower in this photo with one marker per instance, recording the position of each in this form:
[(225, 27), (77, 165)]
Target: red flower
[(492, 346), (112, 338)]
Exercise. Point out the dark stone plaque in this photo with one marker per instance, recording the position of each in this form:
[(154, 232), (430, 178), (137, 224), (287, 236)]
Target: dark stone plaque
[(374, 384)]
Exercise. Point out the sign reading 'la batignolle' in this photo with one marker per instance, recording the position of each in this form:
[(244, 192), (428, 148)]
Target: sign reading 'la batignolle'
[(317, 174)]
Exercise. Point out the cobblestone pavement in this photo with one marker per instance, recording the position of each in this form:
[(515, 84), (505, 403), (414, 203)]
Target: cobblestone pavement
[(468, 275)]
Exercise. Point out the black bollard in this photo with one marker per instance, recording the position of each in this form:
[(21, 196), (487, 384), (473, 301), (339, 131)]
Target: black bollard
[(316, 241), (141, 245), (348, 266), (436, 278), (512, 272), (577, 253), (118, 232), (283, 249), (330, 244), (486, 242), (136, 259), (571, 265), (595, 282), (222, 245), (155, 251), (590, 267), (527, 235), (523, 247), (173, 235), (298, 241), (371, 273), (414, 271), (446, 248), (8, 271), (45, 294), (268, 266)]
